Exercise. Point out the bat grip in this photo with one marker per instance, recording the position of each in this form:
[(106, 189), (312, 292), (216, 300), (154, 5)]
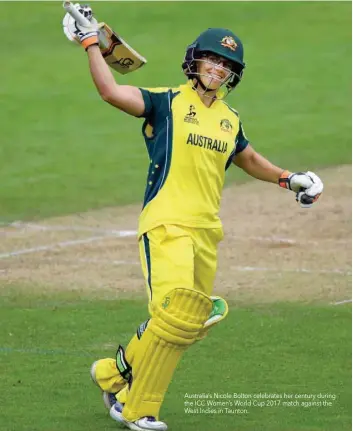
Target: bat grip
[(76, 15)]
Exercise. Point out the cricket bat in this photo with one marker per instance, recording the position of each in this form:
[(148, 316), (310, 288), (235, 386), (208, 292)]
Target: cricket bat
[(116, 52)]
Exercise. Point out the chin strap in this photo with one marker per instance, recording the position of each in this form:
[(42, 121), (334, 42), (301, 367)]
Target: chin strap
[(198, 81)]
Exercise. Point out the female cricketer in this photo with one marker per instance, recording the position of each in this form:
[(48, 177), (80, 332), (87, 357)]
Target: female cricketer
[(192, 137)]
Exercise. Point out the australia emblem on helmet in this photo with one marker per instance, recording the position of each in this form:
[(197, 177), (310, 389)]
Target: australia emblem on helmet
[(229, 42)]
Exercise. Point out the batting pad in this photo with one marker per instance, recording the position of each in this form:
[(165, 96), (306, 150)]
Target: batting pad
[(130, 354), (175, 325), (123, 394)]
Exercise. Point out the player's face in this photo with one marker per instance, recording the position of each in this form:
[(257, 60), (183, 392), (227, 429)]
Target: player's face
[(214, 70)]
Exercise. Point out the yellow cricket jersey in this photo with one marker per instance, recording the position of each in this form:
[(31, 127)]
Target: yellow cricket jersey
[(190, 146)]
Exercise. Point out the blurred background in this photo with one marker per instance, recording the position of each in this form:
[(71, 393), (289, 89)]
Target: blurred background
[(63, 150)]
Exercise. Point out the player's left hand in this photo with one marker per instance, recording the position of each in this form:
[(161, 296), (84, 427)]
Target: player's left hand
[(86, 36), (307, 186)]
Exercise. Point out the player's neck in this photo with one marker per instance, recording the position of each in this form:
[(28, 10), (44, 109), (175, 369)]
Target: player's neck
[(207, 98)]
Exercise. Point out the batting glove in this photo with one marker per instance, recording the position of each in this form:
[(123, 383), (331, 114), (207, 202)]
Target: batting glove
[(307, 186), (85, 35)]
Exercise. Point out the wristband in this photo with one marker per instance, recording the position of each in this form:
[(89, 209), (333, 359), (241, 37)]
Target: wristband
[(92, 40), (283, 180)]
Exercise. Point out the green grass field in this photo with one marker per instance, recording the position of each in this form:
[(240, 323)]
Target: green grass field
[(64, 151), (49, 345)]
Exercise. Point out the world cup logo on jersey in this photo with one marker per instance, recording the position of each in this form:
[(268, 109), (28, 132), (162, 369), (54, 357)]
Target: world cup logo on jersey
[(190, 117), (226, 126), (192, 111)]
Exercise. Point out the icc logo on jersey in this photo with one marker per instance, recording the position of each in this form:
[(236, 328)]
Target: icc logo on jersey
[(226, 126), (190, 117)]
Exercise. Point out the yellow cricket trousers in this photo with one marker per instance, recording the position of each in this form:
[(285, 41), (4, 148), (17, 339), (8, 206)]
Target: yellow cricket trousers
[(178, 256)]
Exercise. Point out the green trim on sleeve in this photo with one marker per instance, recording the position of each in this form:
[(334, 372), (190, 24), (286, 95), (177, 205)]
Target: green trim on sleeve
[(241, 141), (160, 144), (148, 102)]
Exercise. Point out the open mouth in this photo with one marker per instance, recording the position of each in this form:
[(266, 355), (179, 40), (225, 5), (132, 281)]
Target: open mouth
[(216, 76)]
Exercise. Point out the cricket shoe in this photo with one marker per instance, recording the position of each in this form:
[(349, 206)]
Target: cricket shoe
[(109, 398), (147, 423)]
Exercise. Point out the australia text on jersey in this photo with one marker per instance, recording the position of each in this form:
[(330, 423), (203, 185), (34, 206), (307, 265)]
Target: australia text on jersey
[(208, 143)]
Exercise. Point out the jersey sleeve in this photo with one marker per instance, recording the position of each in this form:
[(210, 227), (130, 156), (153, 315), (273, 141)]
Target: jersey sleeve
[(155, 99), (241, 141)]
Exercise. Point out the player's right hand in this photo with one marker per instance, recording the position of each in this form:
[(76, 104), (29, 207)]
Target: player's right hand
[(307, 186), (85, 35)]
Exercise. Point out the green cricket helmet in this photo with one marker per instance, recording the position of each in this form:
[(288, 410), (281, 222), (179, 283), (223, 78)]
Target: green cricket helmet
[(221, 42)]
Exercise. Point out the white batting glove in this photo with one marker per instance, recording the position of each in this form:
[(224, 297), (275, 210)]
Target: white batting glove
[(307, 186), (86, 36)]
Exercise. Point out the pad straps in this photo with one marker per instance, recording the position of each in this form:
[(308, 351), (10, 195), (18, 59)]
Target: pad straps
[(122, 364), (141, 329)]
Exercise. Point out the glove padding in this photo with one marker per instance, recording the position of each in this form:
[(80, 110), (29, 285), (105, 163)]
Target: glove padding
[(307, 186), (86, 36)]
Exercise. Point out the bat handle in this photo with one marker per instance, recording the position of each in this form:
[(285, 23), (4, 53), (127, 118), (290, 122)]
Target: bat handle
[(76, 15)]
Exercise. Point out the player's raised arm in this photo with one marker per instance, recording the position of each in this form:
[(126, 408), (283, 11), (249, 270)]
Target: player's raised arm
[(124, 97), (80, 26)]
